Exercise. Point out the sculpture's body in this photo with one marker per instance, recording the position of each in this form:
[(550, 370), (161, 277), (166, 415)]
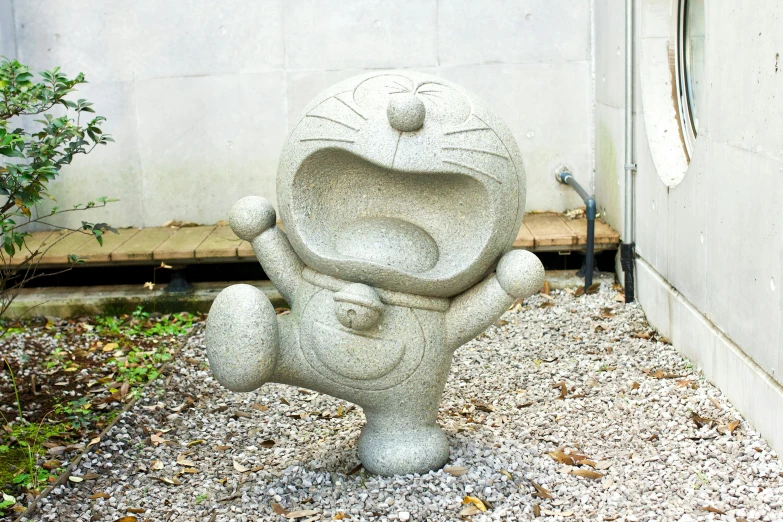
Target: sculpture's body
[(399, 193)]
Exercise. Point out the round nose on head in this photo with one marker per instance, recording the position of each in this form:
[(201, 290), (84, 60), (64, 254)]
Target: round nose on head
[(406, 112)]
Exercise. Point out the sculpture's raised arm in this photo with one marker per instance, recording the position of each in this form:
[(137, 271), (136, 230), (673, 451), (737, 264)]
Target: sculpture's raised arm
[(519, 274), (253, 219)]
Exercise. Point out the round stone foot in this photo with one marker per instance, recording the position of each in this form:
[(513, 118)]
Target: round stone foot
[(416, 450)]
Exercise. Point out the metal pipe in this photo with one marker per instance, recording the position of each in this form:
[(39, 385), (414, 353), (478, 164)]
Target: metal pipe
[(591, 212), (627, 248)]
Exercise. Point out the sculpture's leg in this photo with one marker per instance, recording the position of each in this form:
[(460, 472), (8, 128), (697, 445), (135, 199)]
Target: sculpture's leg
[(242, 338), (406, 439)]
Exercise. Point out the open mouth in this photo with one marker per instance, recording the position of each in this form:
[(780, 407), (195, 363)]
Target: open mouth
[(355, 217)]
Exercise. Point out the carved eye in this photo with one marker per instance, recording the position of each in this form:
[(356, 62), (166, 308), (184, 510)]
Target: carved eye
[(373, 93)]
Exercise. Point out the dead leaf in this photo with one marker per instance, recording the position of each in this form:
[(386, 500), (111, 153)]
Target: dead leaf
[(562, 458), (150, 285), (182, 460), (194, 442), (156, 465), (341, 516), (355, 469), (579, 291), (100, 494), (239, 467), (90, 476), (110, 347), (547, 304), (475, 501), (547, 288), (733, 426), (700, 421), (619, 297), (469, 510), (242, 414), (455, 470), (280, 510), (635, 386), (563, 389), (75, 479), (259, 407), (49, 465), (642, 335), (603, 464), (541, 492), (127, 519), (268, 443), (136, 510), (586, 473), (222, 448), (713, 510), (593, 288), (300, 513), (285, 401), (156, 439), (169, 481), (536, 510), (715, 403)]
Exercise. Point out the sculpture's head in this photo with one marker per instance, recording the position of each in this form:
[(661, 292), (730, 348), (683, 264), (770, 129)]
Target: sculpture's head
[(402, 181)]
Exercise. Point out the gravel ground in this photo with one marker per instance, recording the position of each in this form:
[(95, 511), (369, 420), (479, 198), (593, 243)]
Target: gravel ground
[(659, 440)]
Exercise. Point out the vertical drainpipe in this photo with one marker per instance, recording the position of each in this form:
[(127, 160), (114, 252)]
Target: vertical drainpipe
[(627, 248)]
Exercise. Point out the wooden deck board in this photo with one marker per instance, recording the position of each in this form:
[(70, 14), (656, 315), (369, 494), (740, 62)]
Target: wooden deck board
[(222, 242), (93, 252), (549, 230), (524, 238), (61, 247), (538, 232), (33, 242), (604, 234), (141, 245), (182, 244)]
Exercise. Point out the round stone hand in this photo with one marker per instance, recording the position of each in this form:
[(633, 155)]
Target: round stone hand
[(520, 273), (252, 216)]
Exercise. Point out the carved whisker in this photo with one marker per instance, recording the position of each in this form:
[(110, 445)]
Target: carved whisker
[(430, 93), (398, 92), (467, 130), (404, 88), (498, 154), (327, 139), (332, 120), (425, 92), (359, 114), (474, 169)]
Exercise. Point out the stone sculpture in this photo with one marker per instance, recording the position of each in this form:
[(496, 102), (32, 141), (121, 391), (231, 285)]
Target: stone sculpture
[(401, 195)]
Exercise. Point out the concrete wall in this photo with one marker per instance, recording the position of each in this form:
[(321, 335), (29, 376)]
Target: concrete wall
[(709, 231), (200, 95)]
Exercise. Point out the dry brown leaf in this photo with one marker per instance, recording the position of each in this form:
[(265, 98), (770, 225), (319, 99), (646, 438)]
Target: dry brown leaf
[(475, 501), (619, 297), (635, 386), (285, 401), (456, 470), (110, 347), (586, 473), (75, 479), (593, 288), (713, 510), (194, 442), (553, 513), (100, 494), (541, 492), (563, 389), (547, 288), (156, 465), (716, 403), (300, 513), (536, 510), (733, 426), (129, 518), (469, 510), (156, 439), (562, 458), (49, 465), (603, 464), (579, 291), (700, 421), (588, 462), (280, 510), (506, 474), (268, 443), (547, 304), (239, 467), (167, 480), (341, 516), (259, 407), (222, 448), (90, 476), (136, 510), (182, 460)]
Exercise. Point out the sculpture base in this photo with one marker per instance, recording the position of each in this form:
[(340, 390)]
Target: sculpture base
[(403, 450)]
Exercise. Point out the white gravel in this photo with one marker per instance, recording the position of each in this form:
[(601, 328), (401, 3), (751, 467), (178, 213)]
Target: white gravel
[(624, 410)]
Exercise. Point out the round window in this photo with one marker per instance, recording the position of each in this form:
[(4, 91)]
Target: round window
[(690, 68)]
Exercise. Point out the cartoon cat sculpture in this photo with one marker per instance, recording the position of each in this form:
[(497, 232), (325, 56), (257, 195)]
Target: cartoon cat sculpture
[(401, 195)]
